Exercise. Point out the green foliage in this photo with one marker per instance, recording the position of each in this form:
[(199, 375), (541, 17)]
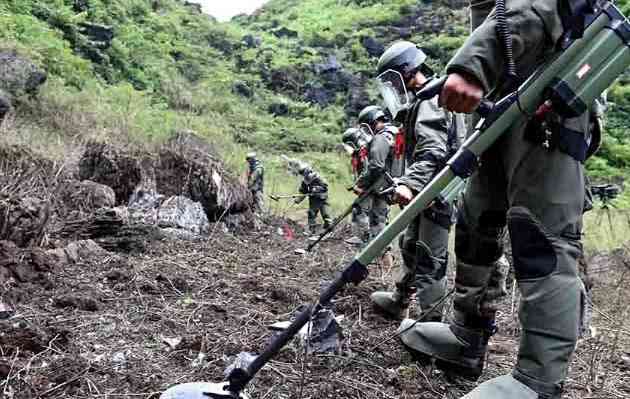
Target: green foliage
[(168, 69)]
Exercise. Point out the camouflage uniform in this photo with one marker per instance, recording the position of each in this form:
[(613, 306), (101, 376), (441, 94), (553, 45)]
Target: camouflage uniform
[(359, 158), (256, 183), (539, 193), (316, 186), (433, 135), (379, 162)]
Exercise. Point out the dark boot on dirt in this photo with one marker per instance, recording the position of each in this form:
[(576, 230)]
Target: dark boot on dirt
[(391, 304), (459, 348)]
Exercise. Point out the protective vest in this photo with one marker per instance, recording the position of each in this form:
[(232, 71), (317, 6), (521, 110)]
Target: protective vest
[(359, 160), (395, 136), (455, 131)]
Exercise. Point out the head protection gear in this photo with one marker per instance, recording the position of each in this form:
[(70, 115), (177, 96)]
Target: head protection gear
[(370, 115), (396, 67), (251, 156)]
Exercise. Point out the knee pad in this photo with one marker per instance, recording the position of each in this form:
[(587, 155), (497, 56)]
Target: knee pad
[(483, 244), (532, 250)]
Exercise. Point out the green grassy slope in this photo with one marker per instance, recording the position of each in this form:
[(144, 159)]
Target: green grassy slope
[(170, 68)]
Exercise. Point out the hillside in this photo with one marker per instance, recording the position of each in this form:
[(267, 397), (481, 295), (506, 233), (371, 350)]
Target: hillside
[(290, 78), (130, 259)]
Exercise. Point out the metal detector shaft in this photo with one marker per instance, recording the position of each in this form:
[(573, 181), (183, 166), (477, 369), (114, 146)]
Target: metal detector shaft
[(504, 114)]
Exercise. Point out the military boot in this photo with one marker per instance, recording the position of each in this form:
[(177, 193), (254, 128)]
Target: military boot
[(391, 303), (552, 299), (459, 348)]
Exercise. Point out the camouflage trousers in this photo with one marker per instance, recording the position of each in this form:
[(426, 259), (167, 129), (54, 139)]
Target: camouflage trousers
[(259, 201), (539, 195), (317, 205), (361, 220), (377, 210), (424, 248)]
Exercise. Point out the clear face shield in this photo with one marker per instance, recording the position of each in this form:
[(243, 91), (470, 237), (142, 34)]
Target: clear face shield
[(391, 85), (366, 129)]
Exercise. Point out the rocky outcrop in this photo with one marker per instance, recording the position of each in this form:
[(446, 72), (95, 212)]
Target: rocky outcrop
[(183, 213), (113, 167), (18, 77)]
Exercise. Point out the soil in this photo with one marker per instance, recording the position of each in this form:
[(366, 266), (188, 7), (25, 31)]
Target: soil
[(133, 324)]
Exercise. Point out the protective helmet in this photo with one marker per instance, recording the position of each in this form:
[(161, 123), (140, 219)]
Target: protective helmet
[(251, 156), (405, 58), (371, 114), (303, 169)]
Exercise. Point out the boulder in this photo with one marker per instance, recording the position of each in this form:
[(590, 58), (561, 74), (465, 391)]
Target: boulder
[(183, 213), (284, 32), (193, 170), (85, 196), (100, 36), (105, 164), (240, 88), (278, 109), (194, 7), (331, 64), (251, 41), (80, 250), (373, 47), (143, 205), (19, 76), (317, 94)]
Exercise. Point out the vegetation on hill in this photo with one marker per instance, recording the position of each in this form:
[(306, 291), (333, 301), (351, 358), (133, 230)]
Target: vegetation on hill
[(288, 79)]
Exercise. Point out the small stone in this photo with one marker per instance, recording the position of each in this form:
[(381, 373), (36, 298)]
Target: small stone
[(172, 343), (5, 311)]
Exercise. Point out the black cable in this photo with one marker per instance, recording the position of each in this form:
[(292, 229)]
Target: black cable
[(503, 33)]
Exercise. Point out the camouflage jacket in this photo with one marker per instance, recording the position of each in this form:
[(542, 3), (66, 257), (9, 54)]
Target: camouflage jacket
[(432, 136), (313, 183), (256, 177), (380, 156)]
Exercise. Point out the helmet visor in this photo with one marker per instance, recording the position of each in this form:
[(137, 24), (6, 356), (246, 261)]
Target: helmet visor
[(395, 96)]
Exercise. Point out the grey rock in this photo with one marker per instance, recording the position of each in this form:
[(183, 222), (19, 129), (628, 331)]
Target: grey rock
[(19, 76), (242, 89), (183, 213), (278, 109)]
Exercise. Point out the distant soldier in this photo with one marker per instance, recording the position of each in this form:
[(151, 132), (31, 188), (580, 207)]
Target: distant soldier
[(316, 188), (356, 142), (380, 163), (256, 180)]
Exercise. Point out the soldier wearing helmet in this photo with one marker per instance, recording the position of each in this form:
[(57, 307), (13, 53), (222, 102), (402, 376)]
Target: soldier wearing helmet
[(535, 190), (356, 143), (316, 188), (431, 136), (256, 180), (380, 162)]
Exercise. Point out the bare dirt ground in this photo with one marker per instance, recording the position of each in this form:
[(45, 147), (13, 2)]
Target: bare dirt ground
[(131, 325)]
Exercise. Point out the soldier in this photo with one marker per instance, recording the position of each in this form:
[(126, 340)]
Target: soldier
[(538, 191), (431, 137), (317, 189), (380, 162), (256, 180), (356, 142)]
